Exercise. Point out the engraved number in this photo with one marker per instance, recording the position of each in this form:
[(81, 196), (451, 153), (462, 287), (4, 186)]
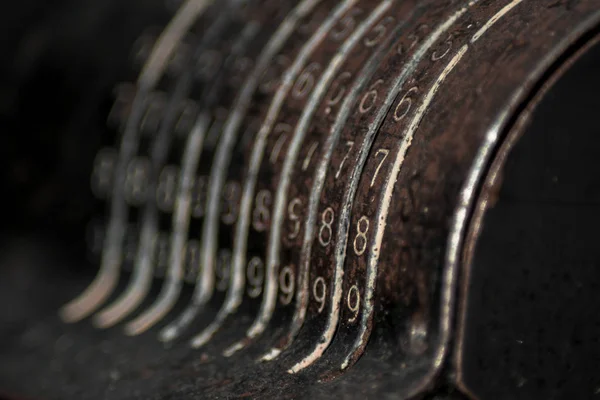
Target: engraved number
[(282, 130), (360, 241), (261, 215), (294, 217), (404, 104), (384, 153), (319, 292), (338, 90), (349, 144), (325, 232), (256, 275), (309, 155), (353, 302), (436, 56), (287, 285), (305, 81), (379, 32), (231, 195), (346, 25), (270, 78), (415, 38), (370, 98)]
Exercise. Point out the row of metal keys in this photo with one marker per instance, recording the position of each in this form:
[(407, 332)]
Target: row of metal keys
[(293, 182)]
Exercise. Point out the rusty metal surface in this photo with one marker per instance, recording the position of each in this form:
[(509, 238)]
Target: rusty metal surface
[(302, 204)]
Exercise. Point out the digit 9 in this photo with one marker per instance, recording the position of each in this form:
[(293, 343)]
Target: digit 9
[(320, 292)]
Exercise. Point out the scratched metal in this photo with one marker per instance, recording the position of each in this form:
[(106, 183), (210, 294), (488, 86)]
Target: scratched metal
[(218, 285), (318, 208), (317, 145), (295, 113), (247, 271)]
